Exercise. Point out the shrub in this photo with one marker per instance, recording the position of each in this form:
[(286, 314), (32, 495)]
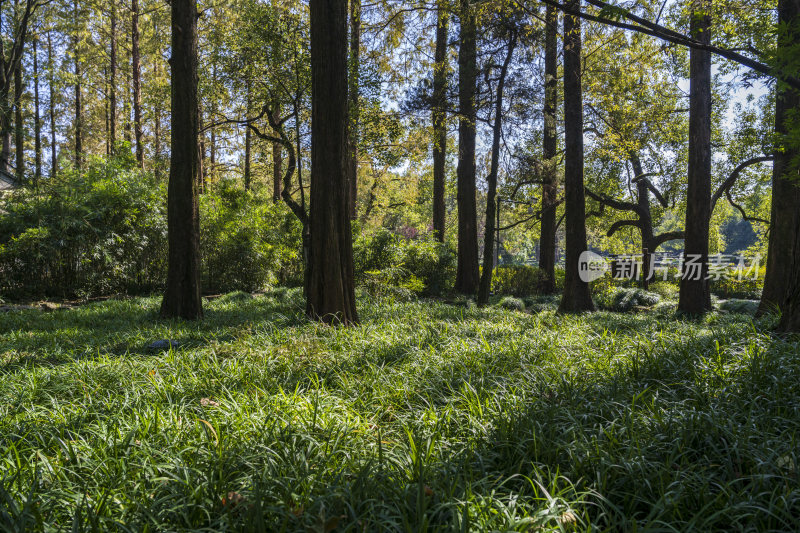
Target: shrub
[(745, 307), (422, 266), (624, 300), (517, 280), (511, 303), (732, 287)]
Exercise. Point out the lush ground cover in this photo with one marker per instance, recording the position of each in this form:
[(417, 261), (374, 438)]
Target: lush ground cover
[(429, 416)]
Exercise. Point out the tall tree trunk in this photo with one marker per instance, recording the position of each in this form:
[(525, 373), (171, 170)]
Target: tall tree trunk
[(491, 196), (182, 296), (440, 123), (329, 284), (19, 126), (467, 272), (6, 127), (247, 139), (695, 295), (277, 171), (577, 296), (37, 119), (547, 239), (137, 82), (112, 81), (78, 92), (52, 104), (781, 284), (645, 222), (354, 110)]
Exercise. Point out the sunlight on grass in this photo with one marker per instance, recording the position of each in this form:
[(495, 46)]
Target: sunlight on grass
[(426, 417)]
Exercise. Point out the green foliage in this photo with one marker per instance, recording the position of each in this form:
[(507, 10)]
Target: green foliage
[(746, 307), (517, 280), (247, 242), (428, 417), (511, 303), (422, 265), (624, 300), (748, 288), (97, 232)]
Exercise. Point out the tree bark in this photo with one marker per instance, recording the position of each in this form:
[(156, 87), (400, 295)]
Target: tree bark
[(491, 196), (277, 171), (137, 82), (112, 81), (577, 296), (440, 123), (182, 296), (329, 286), (52, 105), (19, 126), (78, 92), (781, 284), (695, 294), (547, 239), (37, 119), (353, 93), (467, 272)]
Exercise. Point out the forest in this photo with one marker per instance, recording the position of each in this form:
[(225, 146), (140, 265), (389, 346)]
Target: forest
[(381, 265)]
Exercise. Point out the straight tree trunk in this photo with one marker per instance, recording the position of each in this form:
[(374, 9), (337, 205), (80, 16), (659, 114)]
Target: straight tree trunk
[(329, 284), (577, 297), (354, 110), (182, 296), (440, 123), (547, 239), (137, 82), (112, 82), (781, 284), (37, 119), (52, 105), (695, 295), (78, 92), (277, 172), (6, 127), (491, 196), (467, 273), (19, 126)]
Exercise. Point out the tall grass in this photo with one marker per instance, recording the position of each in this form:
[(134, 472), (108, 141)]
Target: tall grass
[(428, 417)]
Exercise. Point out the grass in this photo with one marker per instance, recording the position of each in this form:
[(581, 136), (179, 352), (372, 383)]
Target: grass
[(427, 417)]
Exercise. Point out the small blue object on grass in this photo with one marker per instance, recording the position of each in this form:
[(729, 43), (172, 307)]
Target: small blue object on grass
[(163, 345)]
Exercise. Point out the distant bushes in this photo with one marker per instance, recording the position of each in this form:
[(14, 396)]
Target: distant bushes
[(104, 231), (623, 300), (386, 261)]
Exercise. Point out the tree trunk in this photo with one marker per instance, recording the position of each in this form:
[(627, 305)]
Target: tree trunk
[(52, 105), (19, 126), (112, 82), (645, 221), (781, 284), (353, 93), (137, 82), (78, 93), (695, 295), (467, 272), (440, 123), (37, 119), (491, 197), (6, 126), (547, 239), (577, 297), (182, 296), (277, 171), (329, 284)]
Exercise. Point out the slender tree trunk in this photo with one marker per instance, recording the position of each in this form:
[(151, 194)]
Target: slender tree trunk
[(37, 119), (277, 171), (547, 239), (781, 284), (467, 273), (52, 104), (440, 123), (78, 92), (247, 141), (695, 295), (645, 222), (354, 110), (577, 296), (112, 82), (6, 126), (182, 296), (137, 82), (19, 126), (491, 196), (329, 285)]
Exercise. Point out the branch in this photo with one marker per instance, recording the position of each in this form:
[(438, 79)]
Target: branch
[(658, 240), (619, 224), (616, 204), (741, 210), (653, 189), (728, 183)]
